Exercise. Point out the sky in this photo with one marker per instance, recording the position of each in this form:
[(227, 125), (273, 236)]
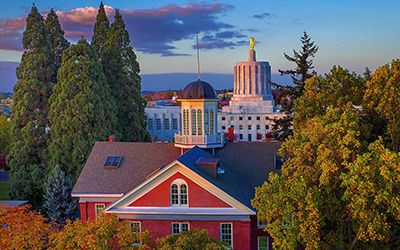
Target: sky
[(353, 34)]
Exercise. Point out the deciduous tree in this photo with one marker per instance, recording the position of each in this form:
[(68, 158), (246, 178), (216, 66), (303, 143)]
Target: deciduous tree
[(29, 120), (21, 228), (337, 189), (106, 232), (191, 240)]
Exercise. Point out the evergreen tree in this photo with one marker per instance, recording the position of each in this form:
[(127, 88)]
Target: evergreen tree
[(82, 109), (288, 94), (122, 72), (29, 120), (58, 203), (56, 36), (100, 31)]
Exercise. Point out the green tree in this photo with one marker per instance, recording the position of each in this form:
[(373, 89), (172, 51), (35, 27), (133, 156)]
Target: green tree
[(5, 136), (122, 72), (58, 203), (383, 97), (82, 109), (337, 189), (56, 36), (29, 120), (283, 128), (106, 232), (100, 31), (191, 240)]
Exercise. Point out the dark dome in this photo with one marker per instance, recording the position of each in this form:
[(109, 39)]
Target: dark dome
[(199, 90)]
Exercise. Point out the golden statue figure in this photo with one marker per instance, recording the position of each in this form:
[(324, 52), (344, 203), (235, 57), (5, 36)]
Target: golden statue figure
[(252, 40)]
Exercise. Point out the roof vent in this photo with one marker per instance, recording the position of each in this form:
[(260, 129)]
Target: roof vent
[(209, 166), (221, 171)]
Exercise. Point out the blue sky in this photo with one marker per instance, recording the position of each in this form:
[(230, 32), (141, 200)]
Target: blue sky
[(354, 34)]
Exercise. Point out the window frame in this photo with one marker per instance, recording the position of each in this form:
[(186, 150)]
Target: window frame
[(131, 223), (180, 224), (150, 124), (262, 247), (180, 196), (97, 211), (166, 124), (222, 234)]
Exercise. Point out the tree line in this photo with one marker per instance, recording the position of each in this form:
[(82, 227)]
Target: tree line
[(68, 97), (340, 182), (22, 228)]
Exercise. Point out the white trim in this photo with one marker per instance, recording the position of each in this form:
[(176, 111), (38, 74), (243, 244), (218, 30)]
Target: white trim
[(258, 242), (98, 211), (220, 232), (161, 176)]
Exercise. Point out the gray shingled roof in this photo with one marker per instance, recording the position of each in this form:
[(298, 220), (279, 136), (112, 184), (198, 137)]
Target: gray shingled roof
[(246, 164), (140, 160)]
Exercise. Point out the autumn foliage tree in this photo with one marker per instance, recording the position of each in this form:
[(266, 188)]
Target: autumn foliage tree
[(190, 240), (106, 232), (339, 186), (21, 228)]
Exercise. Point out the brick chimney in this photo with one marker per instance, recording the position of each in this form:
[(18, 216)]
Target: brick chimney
[(111, 138)]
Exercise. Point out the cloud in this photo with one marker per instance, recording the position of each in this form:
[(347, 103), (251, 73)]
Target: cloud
[(11, 33), (152, 31), (262, 16)]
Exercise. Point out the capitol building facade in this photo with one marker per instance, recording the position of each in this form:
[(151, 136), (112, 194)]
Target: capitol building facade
[(249, 112)]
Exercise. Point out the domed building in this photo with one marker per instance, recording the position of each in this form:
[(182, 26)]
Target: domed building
[(199, 103)]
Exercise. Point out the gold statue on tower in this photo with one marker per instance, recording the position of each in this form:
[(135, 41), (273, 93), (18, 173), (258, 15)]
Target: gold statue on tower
[(252, 40)]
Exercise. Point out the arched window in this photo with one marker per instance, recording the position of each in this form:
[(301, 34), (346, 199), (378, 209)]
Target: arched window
[(179, 193), (185, 122), (212, 122), (199, 122), (193, 122), (206, 122)]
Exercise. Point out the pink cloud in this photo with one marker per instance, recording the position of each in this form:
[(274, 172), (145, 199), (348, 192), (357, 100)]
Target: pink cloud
[(151, 30)]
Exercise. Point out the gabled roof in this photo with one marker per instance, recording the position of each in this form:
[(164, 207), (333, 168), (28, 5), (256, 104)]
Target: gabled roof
[(246, 164), (140, 160)]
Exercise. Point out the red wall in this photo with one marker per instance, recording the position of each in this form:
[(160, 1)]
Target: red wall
[(256, 232), (160, 195), (87, 209), (241, 230)]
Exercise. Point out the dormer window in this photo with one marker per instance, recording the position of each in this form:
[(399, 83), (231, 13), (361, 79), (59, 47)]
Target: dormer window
[(179, 193)]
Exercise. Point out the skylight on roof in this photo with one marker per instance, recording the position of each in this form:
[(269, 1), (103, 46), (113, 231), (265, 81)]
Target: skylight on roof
[(113, 161)]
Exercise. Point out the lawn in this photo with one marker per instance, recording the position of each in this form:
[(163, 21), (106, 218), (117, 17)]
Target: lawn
[(4, 188)]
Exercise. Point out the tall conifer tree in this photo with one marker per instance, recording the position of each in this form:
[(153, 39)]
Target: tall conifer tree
[(56, 36), (82, 109), (287, 94), (100, 31), (29, 120), (122, 72)]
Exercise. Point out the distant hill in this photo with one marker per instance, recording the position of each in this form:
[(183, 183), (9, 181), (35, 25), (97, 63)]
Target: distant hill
[(161, 82)]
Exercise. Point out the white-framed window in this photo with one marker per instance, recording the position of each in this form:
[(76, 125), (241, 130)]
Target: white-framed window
[(166, 123), (263, 243), (158, 123), (98, 209), (226, 233), (150, 123), (193, 122), (136, 226), (175, 123), (199, 122), (212, 122), (179, 193), (178, 227), (260, 224)]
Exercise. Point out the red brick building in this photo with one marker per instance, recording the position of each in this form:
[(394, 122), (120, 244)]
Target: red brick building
[(198, 182)]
